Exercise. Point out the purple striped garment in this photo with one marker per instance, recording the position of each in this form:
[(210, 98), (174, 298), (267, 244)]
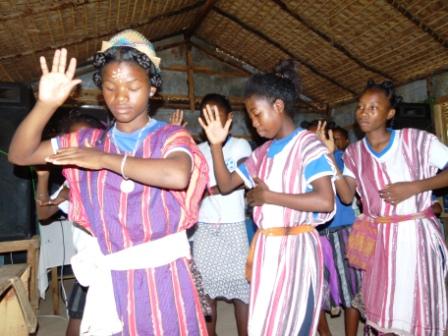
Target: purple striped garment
[(156, 301)]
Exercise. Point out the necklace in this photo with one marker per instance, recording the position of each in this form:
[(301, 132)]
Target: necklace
[(127, 185)]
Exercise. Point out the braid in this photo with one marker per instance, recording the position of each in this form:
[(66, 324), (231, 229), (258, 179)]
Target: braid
[(125, 54), (283, 83), (389, 90)]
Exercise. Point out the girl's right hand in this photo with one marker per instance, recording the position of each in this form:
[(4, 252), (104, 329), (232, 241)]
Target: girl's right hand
[(177, 118), (55, 85), (328, 141), (211, 123)]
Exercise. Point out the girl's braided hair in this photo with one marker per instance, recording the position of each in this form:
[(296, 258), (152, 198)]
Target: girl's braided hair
[(283, 83), (125, 54), (389, 90)]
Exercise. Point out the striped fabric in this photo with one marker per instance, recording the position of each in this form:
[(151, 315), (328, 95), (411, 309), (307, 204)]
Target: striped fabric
[(343, 281), (287, 273), (158, 301), (404, 284)]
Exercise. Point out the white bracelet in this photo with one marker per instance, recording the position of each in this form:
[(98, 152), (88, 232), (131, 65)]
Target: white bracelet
[(123, 162), (338, 177)]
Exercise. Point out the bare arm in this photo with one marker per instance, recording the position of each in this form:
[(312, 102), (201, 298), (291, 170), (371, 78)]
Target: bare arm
[(227, 182), (345, 185), (26, 147), (320, 199), (216, 134), (172, 172), (43, 210)]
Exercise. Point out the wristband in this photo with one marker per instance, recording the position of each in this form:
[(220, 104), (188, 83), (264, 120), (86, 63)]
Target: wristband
[(123, 162)]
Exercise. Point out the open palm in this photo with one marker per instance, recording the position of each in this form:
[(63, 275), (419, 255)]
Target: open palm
[(211, 123), (55, 85), (328, 141)]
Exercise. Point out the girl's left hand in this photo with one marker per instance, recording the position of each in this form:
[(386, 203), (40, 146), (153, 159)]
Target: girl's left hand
[(257, 196), (83, 157), (398, 192)]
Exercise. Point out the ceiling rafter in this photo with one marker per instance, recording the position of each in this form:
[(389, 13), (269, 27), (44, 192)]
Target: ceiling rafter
[(330, 40), (112, 32), (199, 18), (315, 103), (417, 22), (52, 8), (212, 53), (311, 67)]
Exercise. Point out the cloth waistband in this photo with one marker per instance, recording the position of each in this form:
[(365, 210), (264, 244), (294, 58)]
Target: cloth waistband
[(273, 231), (93, 269), (427, 213)]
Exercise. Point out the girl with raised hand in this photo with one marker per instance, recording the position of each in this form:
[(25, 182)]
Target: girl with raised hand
[(290, 176), (136, 187), (396, 241)]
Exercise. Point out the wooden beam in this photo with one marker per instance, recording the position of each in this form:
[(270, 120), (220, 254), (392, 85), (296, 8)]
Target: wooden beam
[(417, 22), (203, 69), (110, 33), (212, 53), (330, 40), (189, 62), (170, 45), (199, 18), (267, 39)]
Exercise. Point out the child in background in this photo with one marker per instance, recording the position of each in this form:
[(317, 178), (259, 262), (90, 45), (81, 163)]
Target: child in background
[(343, 281), (135, 187), (290, 176), (220, 244), (47, 206), (396, 240)]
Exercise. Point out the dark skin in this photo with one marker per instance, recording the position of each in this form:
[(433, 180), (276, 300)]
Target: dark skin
[(351, 315), (126, 91), (271, 121), (241, 309), (372, 114)]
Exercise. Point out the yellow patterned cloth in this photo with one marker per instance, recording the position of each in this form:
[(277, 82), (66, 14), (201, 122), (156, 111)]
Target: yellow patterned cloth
[(133, 39)]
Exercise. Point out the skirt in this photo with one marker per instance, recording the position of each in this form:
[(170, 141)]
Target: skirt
[(341, 281), (220, 253)]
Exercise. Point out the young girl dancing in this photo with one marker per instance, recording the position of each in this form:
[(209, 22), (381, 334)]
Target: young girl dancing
[(135, 187), (396, 240), (292, 193)]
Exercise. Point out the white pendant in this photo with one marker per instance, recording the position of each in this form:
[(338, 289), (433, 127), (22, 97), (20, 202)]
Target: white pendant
[(127, 186)]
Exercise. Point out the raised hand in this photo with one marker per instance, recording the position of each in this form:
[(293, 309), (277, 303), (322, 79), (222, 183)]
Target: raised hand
[(177, 118), (55, 85), (328, 141), (211, 123), (257, 195), (398, 192)]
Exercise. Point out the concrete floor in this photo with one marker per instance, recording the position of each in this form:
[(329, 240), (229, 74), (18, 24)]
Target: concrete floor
[(55, 325)]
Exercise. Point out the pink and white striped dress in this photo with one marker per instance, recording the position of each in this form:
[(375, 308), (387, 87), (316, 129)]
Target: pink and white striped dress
[(287, 274), (404, 286)]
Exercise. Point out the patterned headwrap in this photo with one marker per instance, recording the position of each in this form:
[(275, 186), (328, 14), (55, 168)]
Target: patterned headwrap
[(133, 39)]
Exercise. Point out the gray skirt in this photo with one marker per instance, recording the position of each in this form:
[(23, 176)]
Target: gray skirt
[(220, 252)]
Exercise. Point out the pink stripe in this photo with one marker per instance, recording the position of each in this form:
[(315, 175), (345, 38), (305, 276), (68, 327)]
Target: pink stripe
[(178, 299), (131, 313), (154, 302)]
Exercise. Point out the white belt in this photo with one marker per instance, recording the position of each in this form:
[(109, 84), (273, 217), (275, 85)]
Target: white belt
[(92, 268)]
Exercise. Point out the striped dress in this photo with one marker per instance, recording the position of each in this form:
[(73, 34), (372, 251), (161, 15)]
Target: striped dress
[(404, 285), (156, 301), (287, 275)]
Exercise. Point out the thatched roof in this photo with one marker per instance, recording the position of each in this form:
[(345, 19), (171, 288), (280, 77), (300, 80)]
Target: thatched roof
[(340, 43)]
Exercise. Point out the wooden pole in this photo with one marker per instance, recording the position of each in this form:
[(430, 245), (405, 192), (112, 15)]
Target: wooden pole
[(190, 80)]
